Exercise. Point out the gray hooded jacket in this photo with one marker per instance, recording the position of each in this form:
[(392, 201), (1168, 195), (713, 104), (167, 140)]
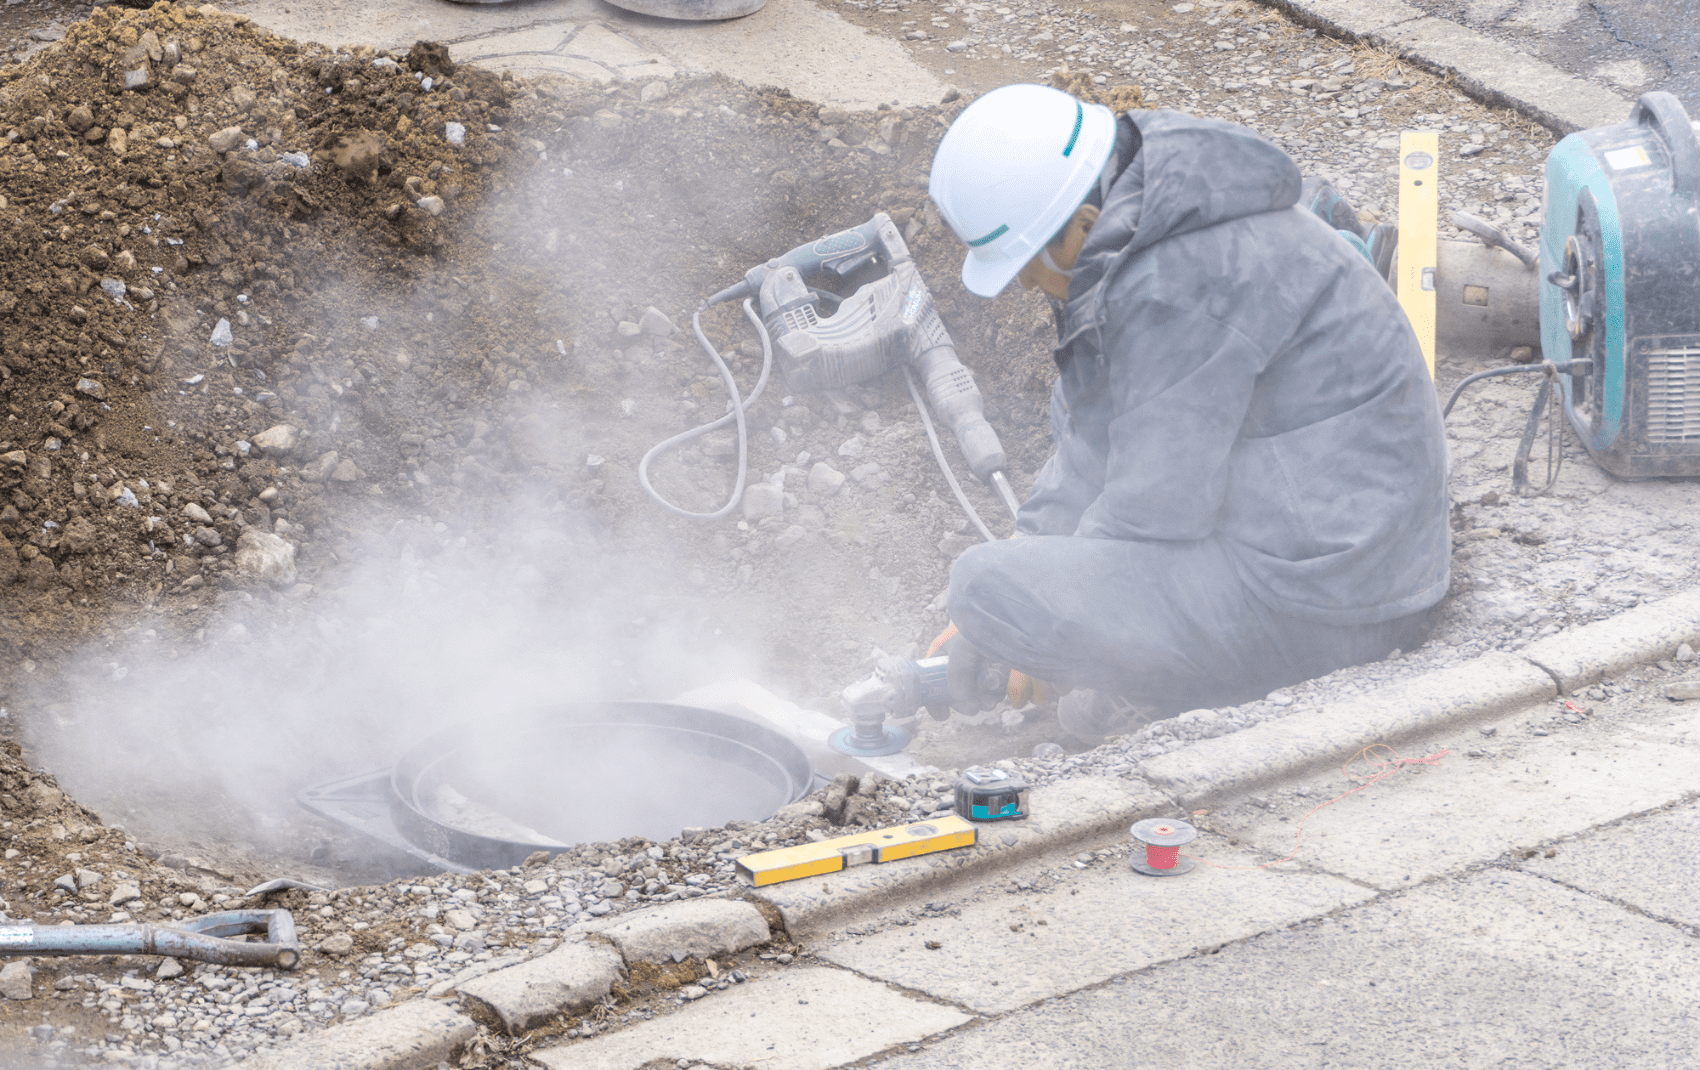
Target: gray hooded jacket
[(1232, 368)]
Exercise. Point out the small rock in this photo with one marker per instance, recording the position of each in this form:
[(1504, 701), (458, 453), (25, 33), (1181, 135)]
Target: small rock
[(460, 919), (354, 1008), (80, 535), (454, 133), (763, 499), (1685, 653), (124, 893), (655, 322), (347, 471), (652, 92), (867, 473), (431, 205), (226, 139), (266, 557), (17, 980), (340, 944), (316, 471), (168, 969), (197, 513), (280, 438), (825, 479), (221, 335), (91, 388), (693, 991), (136, 78)]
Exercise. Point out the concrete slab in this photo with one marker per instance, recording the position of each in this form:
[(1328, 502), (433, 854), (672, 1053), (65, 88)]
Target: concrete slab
[(1063, 814), (1500, 970), (699, 927), (411, 1036), (1438, 819), (1496, 72), (1006, 948), (1605, 648), (1647, 863), (805, 1018), (1347, 18), (789, 43), (1217, 769)]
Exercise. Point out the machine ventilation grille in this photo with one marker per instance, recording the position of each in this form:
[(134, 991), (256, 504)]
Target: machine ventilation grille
[(1673, 388), (803, 317)]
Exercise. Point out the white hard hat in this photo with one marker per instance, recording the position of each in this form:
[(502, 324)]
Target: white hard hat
[(1010, 172)]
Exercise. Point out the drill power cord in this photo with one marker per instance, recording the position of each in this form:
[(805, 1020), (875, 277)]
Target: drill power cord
[(938, 454), (738, 406), (1555, 424)]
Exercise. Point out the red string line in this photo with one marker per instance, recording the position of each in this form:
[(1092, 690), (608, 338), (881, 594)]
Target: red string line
[(1377, 772)]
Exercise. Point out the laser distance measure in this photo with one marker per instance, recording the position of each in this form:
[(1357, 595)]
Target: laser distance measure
[(991, 795)]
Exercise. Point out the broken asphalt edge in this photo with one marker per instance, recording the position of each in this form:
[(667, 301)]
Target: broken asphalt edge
[(417, 1035), (1489, 70)]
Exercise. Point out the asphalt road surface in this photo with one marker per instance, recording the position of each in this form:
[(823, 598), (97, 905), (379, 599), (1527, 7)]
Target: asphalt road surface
[(1632, 45)]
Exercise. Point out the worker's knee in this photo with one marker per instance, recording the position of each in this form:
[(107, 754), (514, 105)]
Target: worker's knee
[(976, 575)]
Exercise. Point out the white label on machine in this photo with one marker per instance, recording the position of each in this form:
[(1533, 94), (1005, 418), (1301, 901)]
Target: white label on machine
[(1623, 159)]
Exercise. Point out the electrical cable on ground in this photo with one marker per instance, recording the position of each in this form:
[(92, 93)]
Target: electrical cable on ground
[(738, 406), (1555, 426)]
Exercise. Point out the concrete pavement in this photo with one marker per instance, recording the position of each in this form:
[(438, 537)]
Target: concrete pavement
[(821, 57)]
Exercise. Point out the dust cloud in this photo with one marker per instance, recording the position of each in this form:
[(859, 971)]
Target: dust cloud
[(214, 737)]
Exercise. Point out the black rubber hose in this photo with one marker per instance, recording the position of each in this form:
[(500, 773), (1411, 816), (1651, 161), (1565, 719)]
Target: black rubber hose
[(1509, 369)]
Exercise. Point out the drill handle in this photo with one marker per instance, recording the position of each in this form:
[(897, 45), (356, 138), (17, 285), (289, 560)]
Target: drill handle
[(958, 404)]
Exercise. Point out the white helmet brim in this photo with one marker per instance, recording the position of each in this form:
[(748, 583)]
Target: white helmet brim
[(1010, 172)]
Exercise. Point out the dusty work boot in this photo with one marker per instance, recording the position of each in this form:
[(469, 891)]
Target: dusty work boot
[(1380, 245), (1091, 716), (1321, 199)]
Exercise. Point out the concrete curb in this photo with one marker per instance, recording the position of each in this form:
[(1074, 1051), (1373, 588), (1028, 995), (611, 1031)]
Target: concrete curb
[(1609, 647), (1305, 743), (417, 1035), (1489, 70), (1495, 683), (1064, 813)]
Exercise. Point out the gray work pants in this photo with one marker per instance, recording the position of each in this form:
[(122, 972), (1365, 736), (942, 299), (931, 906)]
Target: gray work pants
[(1164, 624)]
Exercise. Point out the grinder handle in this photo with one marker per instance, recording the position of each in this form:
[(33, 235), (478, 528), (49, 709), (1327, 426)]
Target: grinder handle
[(1665, 113)]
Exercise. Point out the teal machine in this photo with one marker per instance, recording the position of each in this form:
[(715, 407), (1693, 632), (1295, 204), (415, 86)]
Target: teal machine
[(1620, 296)]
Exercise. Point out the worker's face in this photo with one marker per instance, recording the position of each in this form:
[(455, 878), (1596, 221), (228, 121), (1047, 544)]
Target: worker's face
[(1065, 250)]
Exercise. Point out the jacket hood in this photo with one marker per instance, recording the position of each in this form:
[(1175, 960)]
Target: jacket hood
[(1189, 173)]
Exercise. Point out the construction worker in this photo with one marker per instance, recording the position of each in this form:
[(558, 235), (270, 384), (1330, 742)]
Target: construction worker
[(1248, 487)]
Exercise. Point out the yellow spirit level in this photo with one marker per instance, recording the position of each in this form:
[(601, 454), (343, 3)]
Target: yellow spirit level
[(880, 845)]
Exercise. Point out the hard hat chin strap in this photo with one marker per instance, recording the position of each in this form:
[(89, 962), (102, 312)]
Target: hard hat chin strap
[(1045, 259)]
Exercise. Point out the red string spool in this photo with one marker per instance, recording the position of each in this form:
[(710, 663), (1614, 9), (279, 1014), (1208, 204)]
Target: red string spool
[(1163, 839)]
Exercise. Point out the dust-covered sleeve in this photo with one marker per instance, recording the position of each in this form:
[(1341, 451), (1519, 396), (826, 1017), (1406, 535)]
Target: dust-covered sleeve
[(1066, 484), (1180, 382)]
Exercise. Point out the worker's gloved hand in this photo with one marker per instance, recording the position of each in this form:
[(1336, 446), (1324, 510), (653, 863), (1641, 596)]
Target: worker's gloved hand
[(976, 684)]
